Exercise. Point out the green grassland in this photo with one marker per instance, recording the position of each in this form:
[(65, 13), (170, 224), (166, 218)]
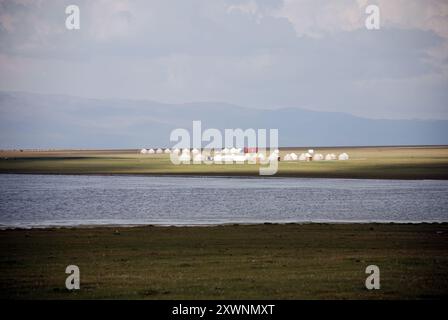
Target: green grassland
[(270, 261), (365, 162)]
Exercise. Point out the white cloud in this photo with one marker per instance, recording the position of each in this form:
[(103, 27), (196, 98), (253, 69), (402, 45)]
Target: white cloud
[(262, 53), (315, 17)]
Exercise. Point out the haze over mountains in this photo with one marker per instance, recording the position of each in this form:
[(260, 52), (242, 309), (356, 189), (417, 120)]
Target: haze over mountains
[(55, 121)]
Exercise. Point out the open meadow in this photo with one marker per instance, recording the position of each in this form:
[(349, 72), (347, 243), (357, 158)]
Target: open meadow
[(430, 162), (270, 261)]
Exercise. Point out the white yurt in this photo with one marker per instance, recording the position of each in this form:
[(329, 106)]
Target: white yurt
[(167, 150), (176, 150), (223, 158), (287, 157), (184, 157), (233, 151), (198, 158), (151, 151), (195, 151), (239, 150), (302, 157), (276, 151), (293, 156), (310, 151), (185, 150), (159, 150), (250, 157), (343, 156), (239, 158), (308, 157), (330, 156), (143, 151), (228, 158), (318, 157), (273, 157), (225, 151)]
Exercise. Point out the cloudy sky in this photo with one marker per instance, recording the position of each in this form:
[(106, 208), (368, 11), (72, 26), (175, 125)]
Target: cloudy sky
[(313, 54)]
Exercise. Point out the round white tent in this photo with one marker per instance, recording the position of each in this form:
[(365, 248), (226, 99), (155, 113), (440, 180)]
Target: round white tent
[(273, 157), (198, 158), (217, 157), (195, 151), (302, 157), (318, 157), (239, 158), (151, 151), (227, 158), (176, 150), (310, 151), (185, 150), (343, 156), (143, 151), (287, 157), (159, 150), (293, 156), (185, 157), (250, 157), (167, 150)]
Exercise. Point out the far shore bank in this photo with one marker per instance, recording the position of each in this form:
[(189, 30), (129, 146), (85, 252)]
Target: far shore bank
[(404, 163), (231, 175), (82, 226)]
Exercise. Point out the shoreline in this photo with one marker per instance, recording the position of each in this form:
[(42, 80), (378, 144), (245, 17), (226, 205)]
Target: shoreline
[(19, 227), (225, 175)]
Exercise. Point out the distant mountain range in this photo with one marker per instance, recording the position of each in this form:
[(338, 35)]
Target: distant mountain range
[(56, 121)]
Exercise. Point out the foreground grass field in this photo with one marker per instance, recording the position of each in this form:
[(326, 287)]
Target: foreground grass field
[(237, 261), (365, 162)]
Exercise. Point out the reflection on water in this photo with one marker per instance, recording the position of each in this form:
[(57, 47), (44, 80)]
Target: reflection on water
[(39, 200)]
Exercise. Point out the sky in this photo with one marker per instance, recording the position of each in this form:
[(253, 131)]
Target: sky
[(311, 54)]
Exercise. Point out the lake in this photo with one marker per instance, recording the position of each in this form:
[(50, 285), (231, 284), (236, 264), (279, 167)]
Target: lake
[(67, 200)]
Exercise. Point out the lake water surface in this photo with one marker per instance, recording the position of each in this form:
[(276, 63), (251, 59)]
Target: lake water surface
[(65, 200)]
